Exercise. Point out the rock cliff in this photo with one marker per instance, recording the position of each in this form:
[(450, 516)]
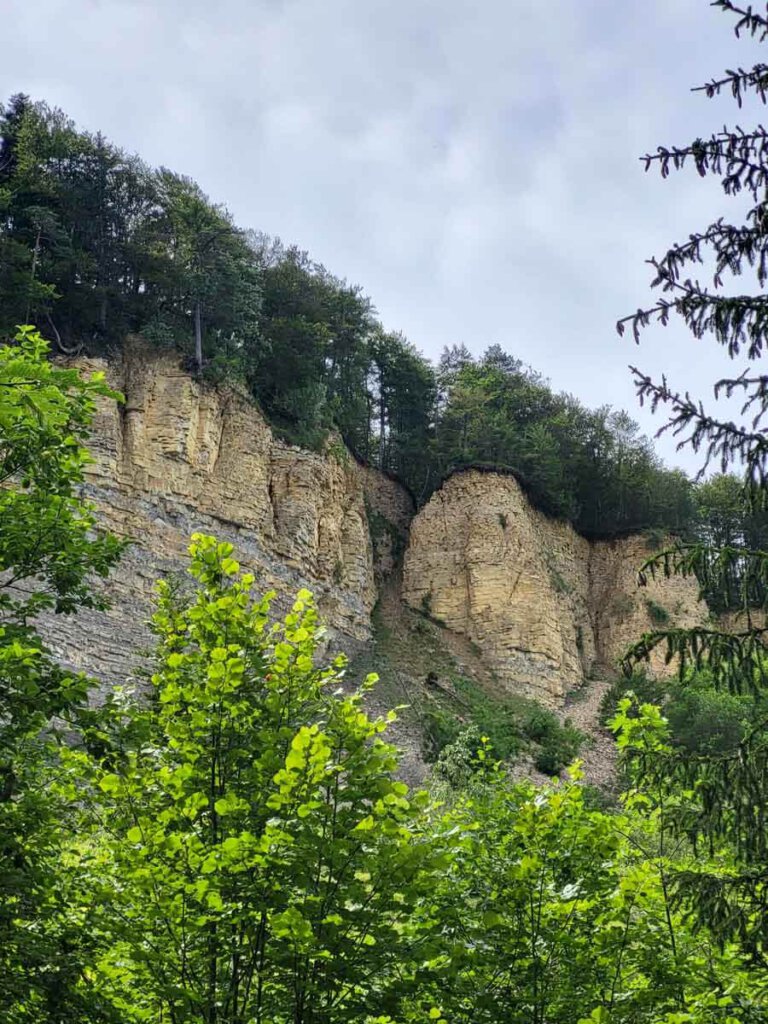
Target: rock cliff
[(177, 457), (547, 608)]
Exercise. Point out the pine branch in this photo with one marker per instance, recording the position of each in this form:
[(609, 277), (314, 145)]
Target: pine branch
[(754, 24), (758, 396), (739, 661), (740, 158), (736, 321), (735, 576), (731, 246), (739, 82), (725, 441)]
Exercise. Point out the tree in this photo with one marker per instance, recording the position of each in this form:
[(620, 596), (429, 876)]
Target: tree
[(50, 549), (207, 271), (551, 911), (724, 797), (265, 861)]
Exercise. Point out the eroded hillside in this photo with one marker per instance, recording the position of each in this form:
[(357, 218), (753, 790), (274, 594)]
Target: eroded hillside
[(542, 608)]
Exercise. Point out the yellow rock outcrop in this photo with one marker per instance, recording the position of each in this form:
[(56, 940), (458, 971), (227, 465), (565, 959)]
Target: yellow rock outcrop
[(546, 607), (178, 457)]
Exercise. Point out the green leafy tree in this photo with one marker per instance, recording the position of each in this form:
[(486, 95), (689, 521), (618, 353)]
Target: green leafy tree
[(265, 862), (49, 551), (204, 281), (727, 520), (552, 911)]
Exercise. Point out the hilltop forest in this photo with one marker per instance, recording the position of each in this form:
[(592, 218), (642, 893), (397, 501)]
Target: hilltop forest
[(95, 246)]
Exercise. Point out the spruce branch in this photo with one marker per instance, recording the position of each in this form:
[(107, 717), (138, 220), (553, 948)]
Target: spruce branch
[(720, 440), (739, 82), (739, 158), (755, 25)]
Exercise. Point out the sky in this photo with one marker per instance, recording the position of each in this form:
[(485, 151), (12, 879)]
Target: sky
[(473, 166)]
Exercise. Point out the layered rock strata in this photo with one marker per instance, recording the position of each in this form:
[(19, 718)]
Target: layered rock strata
[(177, 457), (546, 607)]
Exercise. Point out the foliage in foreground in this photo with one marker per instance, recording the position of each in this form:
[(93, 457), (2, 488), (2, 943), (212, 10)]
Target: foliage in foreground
[(722, 792), (254, 857), (49, 551), (254, 827), (236, 846)]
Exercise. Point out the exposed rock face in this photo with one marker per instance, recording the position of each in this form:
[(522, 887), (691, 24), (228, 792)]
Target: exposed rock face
[(546, 607), (178, 458)]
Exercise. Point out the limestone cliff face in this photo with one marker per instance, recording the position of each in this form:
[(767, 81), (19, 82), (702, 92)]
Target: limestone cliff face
[(176, 458), (547, 607)]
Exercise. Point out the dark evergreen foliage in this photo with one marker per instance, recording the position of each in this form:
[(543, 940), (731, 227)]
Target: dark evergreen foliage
[(722, 793), (95, 245)]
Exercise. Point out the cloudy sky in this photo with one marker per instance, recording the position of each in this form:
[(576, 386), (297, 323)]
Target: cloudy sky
[(472, 164)]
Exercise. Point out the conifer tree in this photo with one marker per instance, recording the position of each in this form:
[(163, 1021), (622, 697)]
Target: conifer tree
[(722, 798)]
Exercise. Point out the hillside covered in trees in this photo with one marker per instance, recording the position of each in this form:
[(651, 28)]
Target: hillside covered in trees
[(95, 245), (230, 840)]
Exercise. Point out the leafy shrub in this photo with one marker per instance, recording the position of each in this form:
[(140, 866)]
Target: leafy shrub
[(499, 720), (464, 757), (648, 691), (558, 744), (658, 613), (337, 450), (706, 721), (597, 799), (559, 749), (439, 729), (701, 719)]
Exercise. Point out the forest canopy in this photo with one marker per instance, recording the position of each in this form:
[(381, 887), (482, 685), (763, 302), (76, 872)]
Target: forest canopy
[(95, 246)]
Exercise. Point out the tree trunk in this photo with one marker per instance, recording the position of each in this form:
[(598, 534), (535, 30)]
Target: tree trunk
[(33, 273), (381, 431), (198, 338)]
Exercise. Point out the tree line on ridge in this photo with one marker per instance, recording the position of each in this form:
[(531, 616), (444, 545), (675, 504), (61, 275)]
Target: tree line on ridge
[(95, 245)]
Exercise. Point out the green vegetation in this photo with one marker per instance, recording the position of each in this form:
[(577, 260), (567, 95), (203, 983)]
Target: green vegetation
[(236, 846), (49, 551), (384, 534), (559, 583), (95, 246), (702, 719), (658, 613), (714, 778)]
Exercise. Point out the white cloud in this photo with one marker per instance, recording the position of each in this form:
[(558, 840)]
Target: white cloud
[(474, 166)]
